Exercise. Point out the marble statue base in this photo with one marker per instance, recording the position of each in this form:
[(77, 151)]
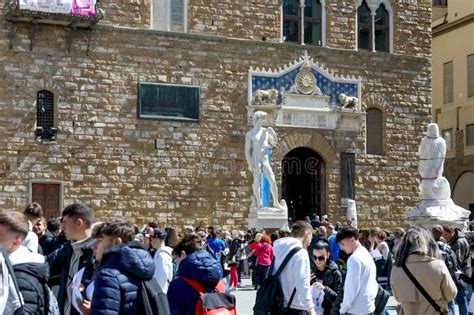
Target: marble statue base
[(267, 218), (442, 212)]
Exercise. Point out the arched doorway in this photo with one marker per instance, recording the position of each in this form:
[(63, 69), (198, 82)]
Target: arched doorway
[(303, 183), (463, 194)]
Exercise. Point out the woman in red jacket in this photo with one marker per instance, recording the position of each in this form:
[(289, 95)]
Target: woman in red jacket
[(264, 254)]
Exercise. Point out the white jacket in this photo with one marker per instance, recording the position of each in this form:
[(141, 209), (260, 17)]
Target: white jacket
[(360, 287), (296, 274), (31, 240), (163, 267)]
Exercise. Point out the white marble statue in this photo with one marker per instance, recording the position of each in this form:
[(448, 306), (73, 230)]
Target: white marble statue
[(257, 141), (351, 213), (432, 152), (436, 205)]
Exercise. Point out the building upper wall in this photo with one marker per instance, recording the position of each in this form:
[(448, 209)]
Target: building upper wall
[(453, 44), (458, 9), (261, 20)]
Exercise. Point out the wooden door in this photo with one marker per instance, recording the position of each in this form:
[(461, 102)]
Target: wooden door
[(48, 196)]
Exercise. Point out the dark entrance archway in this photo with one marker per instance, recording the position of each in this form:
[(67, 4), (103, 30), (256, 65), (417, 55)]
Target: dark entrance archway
[(303, 183)]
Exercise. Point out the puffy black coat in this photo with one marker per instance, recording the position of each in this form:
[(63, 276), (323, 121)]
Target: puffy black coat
[(118, 278), (32, 278), (332, 280), (48, 243), (59, 263)]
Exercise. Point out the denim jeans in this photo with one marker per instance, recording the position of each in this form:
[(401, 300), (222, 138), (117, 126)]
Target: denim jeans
[(451, 308), (461, 301)]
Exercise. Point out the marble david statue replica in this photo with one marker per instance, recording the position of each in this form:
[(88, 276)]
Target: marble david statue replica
[(436, 205), (257, 143)]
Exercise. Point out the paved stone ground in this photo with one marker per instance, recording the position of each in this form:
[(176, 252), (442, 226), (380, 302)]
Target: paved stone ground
[(245, 297)]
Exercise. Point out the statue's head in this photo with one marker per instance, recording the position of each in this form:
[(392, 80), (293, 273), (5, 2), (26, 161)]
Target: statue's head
[(258, 116), (433, 130)]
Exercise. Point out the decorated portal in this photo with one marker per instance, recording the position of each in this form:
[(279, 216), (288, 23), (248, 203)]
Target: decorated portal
[(306, 95)]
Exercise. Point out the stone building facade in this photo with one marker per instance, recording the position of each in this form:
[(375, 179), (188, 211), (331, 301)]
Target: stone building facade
[(194, 172), (453, 94)]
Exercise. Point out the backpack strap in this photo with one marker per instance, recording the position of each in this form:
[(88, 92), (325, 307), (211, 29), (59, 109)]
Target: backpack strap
[(194, 284), (46, 297), (422, 291), (286, 260), (291, 298), (220, 287)]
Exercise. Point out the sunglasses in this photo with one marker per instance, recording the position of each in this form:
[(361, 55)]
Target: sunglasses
[(320, 258)]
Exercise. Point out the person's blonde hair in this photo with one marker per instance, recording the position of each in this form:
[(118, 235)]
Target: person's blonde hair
[(418, 241), (258, 237)]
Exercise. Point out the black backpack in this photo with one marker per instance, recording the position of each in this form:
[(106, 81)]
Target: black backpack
[(151, 300), (270, 298)]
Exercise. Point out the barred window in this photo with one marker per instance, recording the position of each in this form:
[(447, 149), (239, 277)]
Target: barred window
[(374, 130), (448, 82), (45, 109), (470, 135)]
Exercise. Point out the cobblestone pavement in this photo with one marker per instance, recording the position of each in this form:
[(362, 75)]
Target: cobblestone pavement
[(245, 297)]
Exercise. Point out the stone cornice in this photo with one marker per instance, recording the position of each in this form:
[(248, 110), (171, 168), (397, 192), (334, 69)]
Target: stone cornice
[(443, 28), (247, 42)]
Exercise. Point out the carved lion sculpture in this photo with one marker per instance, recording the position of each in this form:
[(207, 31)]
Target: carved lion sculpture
[(266, 96), (349, 102)]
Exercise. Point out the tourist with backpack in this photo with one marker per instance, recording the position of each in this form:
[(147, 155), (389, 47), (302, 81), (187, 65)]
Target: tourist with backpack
[(450, 260), (199, 280), (460, 246), (287, 290), (31, 270), (122, 268), (164, 269)]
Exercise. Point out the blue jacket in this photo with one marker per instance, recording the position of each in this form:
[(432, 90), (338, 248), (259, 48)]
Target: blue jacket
[(217, 246), (118, 279), (200, 266), (333, 248)]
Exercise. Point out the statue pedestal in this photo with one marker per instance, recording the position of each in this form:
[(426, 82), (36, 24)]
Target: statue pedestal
[(442, 212), (267, 218)]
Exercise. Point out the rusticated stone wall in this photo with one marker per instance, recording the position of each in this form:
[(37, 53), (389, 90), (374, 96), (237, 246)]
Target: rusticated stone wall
[(195, 173)]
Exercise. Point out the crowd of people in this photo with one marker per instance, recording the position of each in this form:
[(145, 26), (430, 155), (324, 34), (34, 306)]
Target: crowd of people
[(74, 265)]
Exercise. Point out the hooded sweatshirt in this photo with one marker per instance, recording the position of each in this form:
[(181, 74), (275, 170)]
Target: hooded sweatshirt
[(296, 274), (31, 272), (118, 278), (199, 266)]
